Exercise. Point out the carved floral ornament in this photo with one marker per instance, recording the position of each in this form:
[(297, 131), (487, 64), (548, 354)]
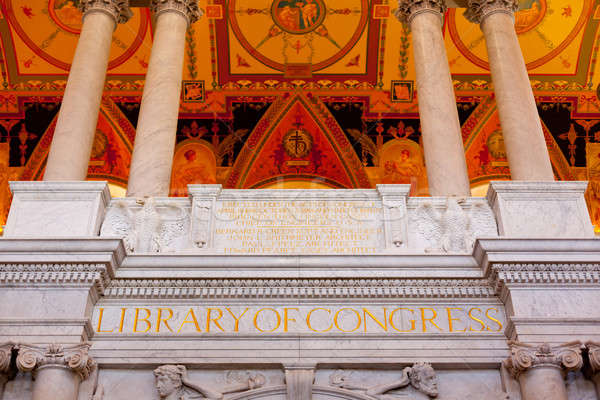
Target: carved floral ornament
[(408, 9), (188, 8), (118, 9), (524, 357), (75, 358), (478, 10)]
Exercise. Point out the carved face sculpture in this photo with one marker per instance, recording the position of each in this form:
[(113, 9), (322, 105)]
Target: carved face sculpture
[(423, 378), (168, 380)]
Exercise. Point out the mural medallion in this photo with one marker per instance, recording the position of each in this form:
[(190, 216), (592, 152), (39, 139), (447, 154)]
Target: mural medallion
[(298, 17), (65, 14), (297, 143)]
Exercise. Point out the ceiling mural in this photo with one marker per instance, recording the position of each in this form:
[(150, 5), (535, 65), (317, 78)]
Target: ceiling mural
[(301, 93)]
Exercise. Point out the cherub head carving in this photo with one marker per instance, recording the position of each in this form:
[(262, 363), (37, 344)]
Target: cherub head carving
[(169, 380), (423, 378)]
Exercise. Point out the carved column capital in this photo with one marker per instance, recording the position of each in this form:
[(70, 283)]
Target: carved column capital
[(594, 356), (523, 357), (5, 357), (478, 10), (75, 358), (188, 8), (117, 9), (408, 9)]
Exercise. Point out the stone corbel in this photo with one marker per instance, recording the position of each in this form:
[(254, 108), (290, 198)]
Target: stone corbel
[(299, 379), (58, 369), (540, 370), (594, 363)]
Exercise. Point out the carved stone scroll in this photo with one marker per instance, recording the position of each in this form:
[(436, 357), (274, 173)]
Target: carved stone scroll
[(541, 369), (5, 364), (594, 363)]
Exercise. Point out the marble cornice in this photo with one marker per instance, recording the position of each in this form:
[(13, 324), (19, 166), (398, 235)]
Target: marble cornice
[(478, 10), (409, 9), (75, 358), (298, 288), (187, 8), (523, 357), (117, 9)]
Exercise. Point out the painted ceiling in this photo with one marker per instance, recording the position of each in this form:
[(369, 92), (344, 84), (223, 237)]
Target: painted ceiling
[(276, 95)]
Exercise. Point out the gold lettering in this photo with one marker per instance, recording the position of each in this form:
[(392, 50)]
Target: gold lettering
[(159, 319), (193, 321), (100, 323), (476, 319), (450, 318), (286, 319), (412, 321), (237, 319), (137, 319), (358, 322), (424, 320), (367, 312), (123, 310), (308, 320), (493, 319), (215, 320), (264, 309)]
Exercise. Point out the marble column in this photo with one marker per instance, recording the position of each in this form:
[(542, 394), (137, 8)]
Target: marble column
[(526, 149), (5, 370), (76, 125), (540, 370), (58, 369), (594, 367), (150, 172), (440, 127)]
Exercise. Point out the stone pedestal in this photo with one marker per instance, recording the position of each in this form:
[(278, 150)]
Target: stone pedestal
[(299, 380), (540, 209), (540, 369), (56, 209), (58, 370)]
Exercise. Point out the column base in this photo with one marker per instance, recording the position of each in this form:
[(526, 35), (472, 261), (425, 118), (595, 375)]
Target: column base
[(56, 209), (540, 209)]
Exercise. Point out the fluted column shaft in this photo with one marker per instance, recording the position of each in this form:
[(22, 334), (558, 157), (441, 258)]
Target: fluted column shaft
[(440, 126), (526, 149), (540, 369), (73, 139), (152, 159), (58, 370)]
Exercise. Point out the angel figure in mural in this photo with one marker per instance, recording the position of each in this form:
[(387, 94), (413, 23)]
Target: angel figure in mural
[(172, 383), (421, 376), (147, 230)]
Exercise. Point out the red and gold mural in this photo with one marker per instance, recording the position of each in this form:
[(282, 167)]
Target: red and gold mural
[(304, 93)]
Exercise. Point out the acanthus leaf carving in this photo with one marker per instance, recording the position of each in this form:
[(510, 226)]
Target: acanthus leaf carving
[(118, 9), (524, 357), (76, 358), (594, 356), (173, 383), (421, 376), (408, 9), (478, 10)]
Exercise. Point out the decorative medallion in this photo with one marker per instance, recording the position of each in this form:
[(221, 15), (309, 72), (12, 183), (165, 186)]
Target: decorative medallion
[(298, 17), (297, 143)]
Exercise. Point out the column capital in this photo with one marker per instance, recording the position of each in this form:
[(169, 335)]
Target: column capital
[(5, 357), (524, 357), (408, 9), (594, 356), (478, 10), (117, 9), (75, 358), (188, 8)]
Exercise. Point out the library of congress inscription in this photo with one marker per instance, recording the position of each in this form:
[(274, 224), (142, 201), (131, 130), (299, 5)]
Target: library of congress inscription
[(299, 227), (391, 319)]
